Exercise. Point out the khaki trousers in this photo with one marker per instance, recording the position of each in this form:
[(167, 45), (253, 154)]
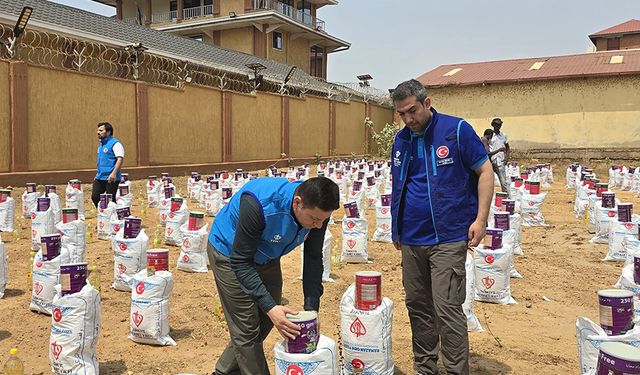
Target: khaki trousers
[(248, 325), (434, 280)]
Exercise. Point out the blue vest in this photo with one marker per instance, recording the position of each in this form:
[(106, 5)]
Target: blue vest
[(106, 159), (452, 185), (281, 233)]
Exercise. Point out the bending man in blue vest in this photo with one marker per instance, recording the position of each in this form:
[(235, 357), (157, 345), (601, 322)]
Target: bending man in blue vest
[(110, 158), (442, 188), (263, 221)]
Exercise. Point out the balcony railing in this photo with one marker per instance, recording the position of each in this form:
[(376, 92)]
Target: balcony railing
[(289, 11), (315, 22), (297, 15), (164, 17), (196, 12)]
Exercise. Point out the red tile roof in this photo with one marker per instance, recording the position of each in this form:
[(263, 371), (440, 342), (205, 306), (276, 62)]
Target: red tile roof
[(554, 67), (631, 26)]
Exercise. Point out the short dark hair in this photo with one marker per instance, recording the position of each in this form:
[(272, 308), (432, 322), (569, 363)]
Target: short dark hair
[(488, 132), (319, 192), (412, 87), (107, 127)]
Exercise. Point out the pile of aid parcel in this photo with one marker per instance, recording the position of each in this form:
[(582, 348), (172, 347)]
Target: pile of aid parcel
[(61, 285), (610, 347), (365, 331)]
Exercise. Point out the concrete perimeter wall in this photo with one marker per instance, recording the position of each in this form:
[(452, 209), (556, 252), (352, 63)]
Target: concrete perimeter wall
[(48, 121)]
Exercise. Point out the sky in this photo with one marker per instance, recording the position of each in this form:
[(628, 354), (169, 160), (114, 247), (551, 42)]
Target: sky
[(395, 40)]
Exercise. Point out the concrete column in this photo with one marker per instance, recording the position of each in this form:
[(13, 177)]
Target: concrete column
[(285, 132), (180, 10), (367, 141), (226, 126), (148, 11), (142, 123), (119, 9), (332, 127), (19, 116)]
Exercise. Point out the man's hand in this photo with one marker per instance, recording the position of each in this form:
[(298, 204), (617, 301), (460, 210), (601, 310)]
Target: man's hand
[(112, 178), (476, 233), (397, 245), (279, 319)]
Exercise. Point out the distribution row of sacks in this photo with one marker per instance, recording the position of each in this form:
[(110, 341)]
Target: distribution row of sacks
[(609, 347), (63, 291), (620, 177), (74, 198), (624, 178), (527, 200), (619, 311), (488, 273), (359, 197), (542, 173), (611, 221), (366, 317)]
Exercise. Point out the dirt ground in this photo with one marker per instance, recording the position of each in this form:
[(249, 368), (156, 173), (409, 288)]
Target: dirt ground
[(533, 337)]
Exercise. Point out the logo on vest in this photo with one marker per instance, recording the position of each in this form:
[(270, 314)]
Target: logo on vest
[(105, 150), (396, 159), (442, 152), (276, 239)]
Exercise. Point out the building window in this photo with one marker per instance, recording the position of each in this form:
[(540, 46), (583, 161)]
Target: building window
[(197, 37), (316, 66), (613, 44), (276, 42)]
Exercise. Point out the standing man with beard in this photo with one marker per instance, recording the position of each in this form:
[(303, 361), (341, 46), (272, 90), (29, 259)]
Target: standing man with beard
[(442, 188), (110, 158)]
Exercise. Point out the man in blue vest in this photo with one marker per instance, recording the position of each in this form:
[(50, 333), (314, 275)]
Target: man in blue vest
[(110, 158), (266, 219), (442, 188)]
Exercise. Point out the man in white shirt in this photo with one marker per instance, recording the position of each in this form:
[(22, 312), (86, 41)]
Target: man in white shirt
[(499, 146), (110, 158)]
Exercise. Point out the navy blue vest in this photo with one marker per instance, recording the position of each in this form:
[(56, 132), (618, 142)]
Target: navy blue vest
[(281, 234), (452, 186), (106, 159)]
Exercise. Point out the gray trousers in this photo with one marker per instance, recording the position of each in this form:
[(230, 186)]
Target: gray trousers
[(248, 325), (434, 280), (501, 171)]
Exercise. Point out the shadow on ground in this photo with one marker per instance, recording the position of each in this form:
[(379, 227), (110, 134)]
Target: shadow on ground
[(4, 335), (180, 333), (483, 365), (113, 367), (13, 293)]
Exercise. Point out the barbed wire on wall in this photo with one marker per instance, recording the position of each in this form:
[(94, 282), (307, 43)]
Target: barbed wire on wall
[(134, 63), (366, 93)]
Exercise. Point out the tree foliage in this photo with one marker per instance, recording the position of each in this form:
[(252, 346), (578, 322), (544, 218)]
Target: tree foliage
[(384, 138)]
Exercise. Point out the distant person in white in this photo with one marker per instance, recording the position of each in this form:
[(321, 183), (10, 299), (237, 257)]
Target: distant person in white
[(499, 149)]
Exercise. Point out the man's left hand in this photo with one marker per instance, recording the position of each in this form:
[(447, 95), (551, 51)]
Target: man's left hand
[(476, 233), (112, 178)]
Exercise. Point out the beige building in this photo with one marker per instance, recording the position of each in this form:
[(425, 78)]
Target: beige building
[(287, 31), (588, 100)]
